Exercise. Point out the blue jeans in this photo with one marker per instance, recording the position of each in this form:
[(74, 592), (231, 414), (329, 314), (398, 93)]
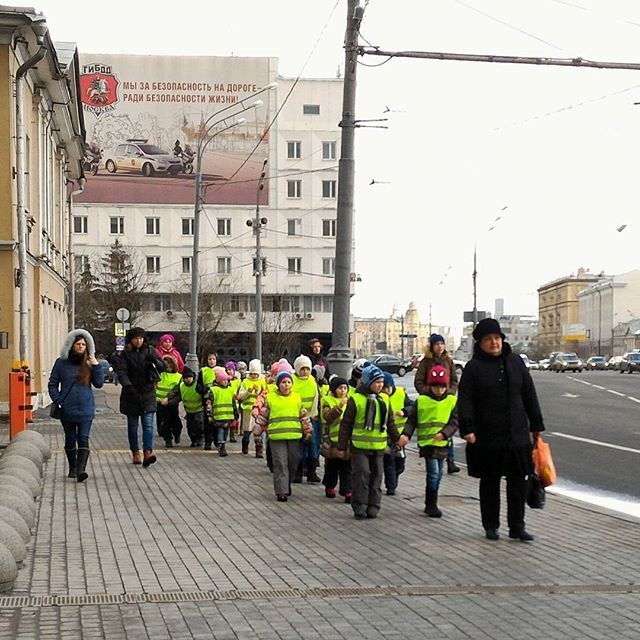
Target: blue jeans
[(222, 434), (310, 449), (76, 433), (147, 431), (434, 473)]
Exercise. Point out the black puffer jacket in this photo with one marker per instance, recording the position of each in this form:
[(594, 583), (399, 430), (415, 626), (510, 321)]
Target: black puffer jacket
[(498, 402), (133, 367)]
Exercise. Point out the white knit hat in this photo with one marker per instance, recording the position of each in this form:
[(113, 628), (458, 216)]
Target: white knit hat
[(300, 362), (255, 366)]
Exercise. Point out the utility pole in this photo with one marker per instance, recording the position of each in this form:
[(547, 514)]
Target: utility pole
[(259, 263), (474, 275), (340, 356)]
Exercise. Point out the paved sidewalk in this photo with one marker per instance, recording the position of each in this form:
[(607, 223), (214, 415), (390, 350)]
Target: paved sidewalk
[(197, 547)]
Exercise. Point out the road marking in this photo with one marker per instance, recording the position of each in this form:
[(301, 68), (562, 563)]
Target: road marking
[(597, 386), (634, 399), (570, 395), (596, 442), (616, 393)]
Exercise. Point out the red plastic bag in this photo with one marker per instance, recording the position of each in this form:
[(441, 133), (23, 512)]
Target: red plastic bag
[(543, 462)]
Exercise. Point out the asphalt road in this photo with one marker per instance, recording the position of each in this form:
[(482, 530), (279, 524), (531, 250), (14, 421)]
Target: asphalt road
[(593, 427)]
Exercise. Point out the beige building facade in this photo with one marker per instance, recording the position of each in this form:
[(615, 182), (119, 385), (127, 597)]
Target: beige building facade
[(42, 130)]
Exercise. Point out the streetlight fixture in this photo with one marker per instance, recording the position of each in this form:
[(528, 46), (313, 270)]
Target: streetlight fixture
[(206, 133)]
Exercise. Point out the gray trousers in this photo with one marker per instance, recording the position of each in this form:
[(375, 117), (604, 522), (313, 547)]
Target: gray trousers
[(366, 481), (285, 455)]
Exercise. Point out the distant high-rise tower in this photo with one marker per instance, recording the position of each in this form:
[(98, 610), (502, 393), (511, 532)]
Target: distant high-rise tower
[(499, 309)]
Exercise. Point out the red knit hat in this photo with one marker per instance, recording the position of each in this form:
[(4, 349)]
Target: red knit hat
[(438, 376)]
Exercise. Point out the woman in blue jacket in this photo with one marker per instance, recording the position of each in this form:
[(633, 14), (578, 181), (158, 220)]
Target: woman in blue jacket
[(72, 376)]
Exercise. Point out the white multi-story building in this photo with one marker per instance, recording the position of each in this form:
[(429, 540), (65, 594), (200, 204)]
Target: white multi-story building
[(302, 146)]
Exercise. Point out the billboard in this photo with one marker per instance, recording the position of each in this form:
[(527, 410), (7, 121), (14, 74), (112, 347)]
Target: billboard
[(147, 117), (574, 332)]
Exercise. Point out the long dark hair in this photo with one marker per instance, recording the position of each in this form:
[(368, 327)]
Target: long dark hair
[(83, 375)]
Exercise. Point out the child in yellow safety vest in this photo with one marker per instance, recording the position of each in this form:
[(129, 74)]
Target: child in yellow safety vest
[(366, 425), (394, 460), (234, 383), (192, 402), (221, 412), (335, 469), (435, 418), (168, 420), (286, 423), (305, 384), (248, 392)]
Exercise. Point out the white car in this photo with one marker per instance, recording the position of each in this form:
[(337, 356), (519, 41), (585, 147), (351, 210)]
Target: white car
[(138, 156)]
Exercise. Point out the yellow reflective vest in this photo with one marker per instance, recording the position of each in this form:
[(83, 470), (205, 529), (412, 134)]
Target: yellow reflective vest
[(333, 428), (222, 403), (307, 388), (191, 399), (284, 416), (208, 376), (167, 382), (397, 400), (369, 439), (432, 416), (248, 384)]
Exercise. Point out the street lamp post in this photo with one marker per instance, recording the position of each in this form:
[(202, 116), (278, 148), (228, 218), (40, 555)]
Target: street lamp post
[(204, 138)]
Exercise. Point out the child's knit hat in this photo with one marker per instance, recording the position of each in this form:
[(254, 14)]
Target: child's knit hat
[(254, 366), (282, 375), (438, 376), (300, 362), (388, 380), (221, 374), (336, 381), (369, 374)]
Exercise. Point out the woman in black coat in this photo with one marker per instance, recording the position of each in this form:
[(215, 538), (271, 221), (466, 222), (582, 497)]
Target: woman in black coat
[(498, 413), (138, 367)]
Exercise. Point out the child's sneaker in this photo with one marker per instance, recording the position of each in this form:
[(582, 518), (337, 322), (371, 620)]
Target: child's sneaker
[(347, 497), (222, 450), (330, 493), (282, 497)]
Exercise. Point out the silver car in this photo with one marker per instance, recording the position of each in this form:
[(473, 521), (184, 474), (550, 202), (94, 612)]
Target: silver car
[(138, 156)]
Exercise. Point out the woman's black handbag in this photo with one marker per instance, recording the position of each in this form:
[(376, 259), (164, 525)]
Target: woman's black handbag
[(535, 492), (55, 411)]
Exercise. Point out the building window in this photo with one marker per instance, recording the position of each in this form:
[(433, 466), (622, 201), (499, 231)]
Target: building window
[(224, 265), (294, 265), (234, 304), (329, 188), (294, 149), (116, 225), (329, 228), (311, 109), (328, 266), (162, 302), (153, 226), (186, 264), (153, 264), (327, 304), (81, 264), (294, 226), (329, 150), (294, 188), (187, 226), (224, 226), (80, 224)]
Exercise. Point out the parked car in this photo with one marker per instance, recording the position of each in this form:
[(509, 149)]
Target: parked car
[(613, 362), (543, 364), (566, 362), (391, 364), (459, 365), (415, 359), (630, 362), (108, 369), (140, 157), (525, 359), (596, 363), (534, 365)]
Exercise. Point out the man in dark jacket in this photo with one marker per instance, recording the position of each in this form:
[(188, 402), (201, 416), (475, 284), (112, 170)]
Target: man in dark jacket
[(138, 367), (498, 414)]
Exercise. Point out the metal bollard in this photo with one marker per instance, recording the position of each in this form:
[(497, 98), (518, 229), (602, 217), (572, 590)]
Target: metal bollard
[(17, 400)]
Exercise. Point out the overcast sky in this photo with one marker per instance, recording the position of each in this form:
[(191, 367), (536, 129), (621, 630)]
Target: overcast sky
[(555, 146)]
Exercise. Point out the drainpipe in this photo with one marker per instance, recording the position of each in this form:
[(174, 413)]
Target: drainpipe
[(40, 30), (72, 268)]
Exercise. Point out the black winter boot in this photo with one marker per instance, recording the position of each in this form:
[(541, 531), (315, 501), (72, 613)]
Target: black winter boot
[(312, 476), (83, 456), (452, 467), (431, 504), (72, 458)]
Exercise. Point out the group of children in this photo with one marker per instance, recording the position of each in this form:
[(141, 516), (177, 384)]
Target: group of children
[(360, 426)]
